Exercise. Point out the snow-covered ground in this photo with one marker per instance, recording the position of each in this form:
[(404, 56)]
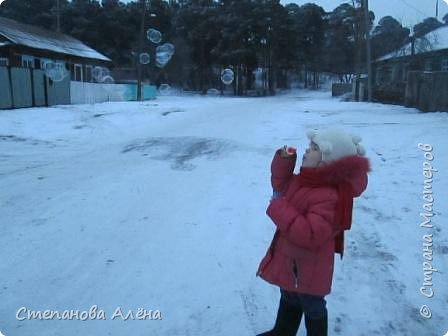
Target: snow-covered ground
[(161, 205)]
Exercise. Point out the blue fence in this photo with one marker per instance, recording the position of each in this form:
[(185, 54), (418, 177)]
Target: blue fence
[(148, 92), (26, 87)]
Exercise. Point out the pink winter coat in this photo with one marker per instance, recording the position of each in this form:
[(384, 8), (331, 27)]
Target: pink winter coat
[(301, 255)]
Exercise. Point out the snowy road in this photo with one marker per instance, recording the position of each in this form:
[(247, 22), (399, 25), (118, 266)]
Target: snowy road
[(161, 205)]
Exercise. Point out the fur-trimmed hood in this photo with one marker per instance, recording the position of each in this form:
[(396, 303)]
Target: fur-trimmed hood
[(352, 169)]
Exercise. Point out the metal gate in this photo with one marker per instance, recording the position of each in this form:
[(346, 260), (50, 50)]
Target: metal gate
[(26, 87)]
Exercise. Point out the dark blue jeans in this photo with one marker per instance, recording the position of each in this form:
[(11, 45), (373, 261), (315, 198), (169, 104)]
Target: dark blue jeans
[(314, 307)]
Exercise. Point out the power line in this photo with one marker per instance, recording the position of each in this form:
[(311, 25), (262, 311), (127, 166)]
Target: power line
[(415, 8)]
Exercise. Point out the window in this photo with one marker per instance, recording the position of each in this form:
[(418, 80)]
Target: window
[(4, 61), (64, 65), (428, 65), (42, 63), (444, 66), (47, 64), (27, 61), (72, 72), (78, 72), (88, 74)]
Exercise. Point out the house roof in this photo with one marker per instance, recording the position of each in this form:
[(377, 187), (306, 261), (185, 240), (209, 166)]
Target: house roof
[(435, 40), (39, 38)]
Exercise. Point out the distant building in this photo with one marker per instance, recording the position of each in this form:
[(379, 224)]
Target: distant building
[(23, 45), (428, 53), (408, 71)]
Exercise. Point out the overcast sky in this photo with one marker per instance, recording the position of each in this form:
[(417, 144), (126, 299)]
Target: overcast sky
[(408, 12)]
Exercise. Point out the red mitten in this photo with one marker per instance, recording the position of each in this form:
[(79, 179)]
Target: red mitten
[(291, 150)]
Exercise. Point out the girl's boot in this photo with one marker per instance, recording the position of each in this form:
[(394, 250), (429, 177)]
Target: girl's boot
[(287, 322), (317, 327)]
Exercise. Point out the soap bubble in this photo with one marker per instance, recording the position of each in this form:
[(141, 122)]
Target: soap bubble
[(48, 65), (166, 47), (213, 92), (164, 53), (154, 35), (227, 76), (108, 80), (99, 73), (165, 89), (144, 58), (55, 71), (107, 84), (161, 61)]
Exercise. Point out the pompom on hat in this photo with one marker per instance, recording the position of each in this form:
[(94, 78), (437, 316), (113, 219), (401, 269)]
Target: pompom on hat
[(335, 144)]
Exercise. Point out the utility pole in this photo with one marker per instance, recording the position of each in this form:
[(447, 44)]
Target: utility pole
[(140, 49), (368, 55), (58, 17), (357, 36), (437, 9)]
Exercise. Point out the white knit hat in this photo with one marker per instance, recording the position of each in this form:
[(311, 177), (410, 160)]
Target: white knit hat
[(335, 144)]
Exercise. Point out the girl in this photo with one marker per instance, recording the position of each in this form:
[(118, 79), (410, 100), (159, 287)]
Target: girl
[(311, 211)]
